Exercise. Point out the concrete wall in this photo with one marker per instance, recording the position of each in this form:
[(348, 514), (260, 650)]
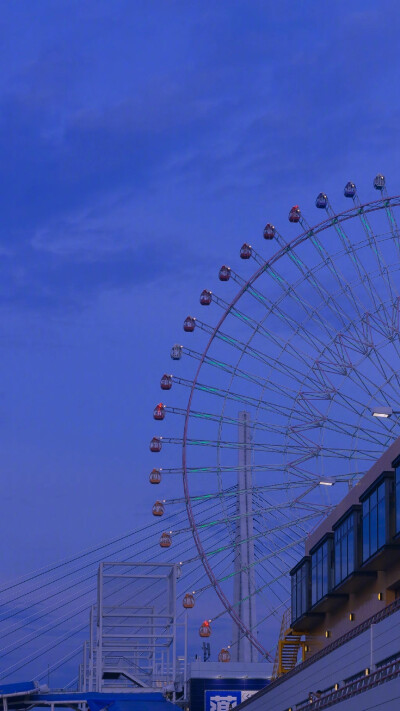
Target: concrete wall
[(366, 650)]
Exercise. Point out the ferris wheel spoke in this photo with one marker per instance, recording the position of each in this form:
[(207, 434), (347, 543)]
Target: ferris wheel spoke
[(364, 381), (310, 275), (254, 537), (373, 243), (258, 328), (288, 291), (357, 263), (274, 307), (222, 469), (272, 578), (313, 314), (392, 223), (236, 397), (272, 613), (257, 424), (292, 505), (266, 557), (292, 291), (234, 491), (227, 367), (256, 446), (327, 261), (274, 563), (385, 366), (297, 523), (260, 589), (240, 373), (351, 430), (255, 353)]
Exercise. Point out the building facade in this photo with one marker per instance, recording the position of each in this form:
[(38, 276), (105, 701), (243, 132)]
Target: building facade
[(351, 567), (346, 604)]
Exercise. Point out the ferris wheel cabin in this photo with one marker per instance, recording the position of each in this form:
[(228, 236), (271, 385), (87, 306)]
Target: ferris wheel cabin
[(269, 231), (294, 214)]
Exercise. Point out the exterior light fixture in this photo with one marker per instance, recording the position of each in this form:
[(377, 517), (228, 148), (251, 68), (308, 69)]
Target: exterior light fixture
[(326, 482), (383, 412), (306, 648), (336, 687), (380, 596), (366, 672), (351, 616), (327, 633)]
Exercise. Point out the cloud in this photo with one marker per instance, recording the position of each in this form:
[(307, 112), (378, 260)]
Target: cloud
[(117, 115)]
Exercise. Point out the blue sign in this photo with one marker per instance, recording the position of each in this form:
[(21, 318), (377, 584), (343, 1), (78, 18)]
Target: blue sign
[(225, 700)]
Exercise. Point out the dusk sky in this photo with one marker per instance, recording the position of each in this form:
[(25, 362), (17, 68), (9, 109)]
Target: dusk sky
[(142, 142)]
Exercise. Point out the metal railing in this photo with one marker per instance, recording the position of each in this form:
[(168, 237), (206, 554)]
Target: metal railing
[(384, 673), (285, 624), (351, 634)]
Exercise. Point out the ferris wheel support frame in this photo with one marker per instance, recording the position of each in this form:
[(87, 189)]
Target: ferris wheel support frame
[(332, 221)]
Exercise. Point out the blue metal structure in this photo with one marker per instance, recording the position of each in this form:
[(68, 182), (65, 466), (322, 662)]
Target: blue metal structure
[(23, 696)]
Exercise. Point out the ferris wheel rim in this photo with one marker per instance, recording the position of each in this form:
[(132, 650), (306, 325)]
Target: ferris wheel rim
[(357, 209)]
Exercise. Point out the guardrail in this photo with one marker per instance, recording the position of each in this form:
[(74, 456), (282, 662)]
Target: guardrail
[(386, 672), (351, 634)]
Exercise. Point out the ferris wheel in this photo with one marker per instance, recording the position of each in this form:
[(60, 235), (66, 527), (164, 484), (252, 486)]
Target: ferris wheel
[(273, 391)]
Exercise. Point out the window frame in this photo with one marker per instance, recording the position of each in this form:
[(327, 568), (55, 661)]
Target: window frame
[(300, 588), (377, 531), (352, 537), (322, 569), (396, 517)]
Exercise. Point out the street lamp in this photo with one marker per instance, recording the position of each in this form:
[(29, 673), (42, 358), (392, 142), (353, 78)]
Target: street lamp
[(384, 412)]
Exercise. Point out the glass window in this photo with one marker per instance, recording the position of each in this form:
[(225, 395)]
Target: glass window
[(300, 588), (321, 571), (314, 581), (374, 521), (398, 499), (338, 573), (294, 598), (365, 515), (350, 548), (344, 549), (381, 516)]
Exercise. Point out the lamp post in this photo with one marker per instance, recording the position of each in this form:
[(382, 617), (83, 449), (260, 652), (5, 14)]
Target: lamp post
[(384, 412)]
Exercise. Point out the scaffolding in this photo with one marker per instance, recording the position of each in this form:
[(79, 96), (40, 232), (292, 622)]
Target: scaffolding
[(133, 631)]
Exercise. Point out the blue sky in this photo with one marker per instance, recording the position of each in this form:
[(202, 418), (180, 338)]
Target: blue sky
[(141, 143)]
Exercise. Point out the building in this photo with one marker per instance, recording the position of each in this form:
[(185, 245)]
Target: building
[(351, 567), (345, 608), (218, 686)]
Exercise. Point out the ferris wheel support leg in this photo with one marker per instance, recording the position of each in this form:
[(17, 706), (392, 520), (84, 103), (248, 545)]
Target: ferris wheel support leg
[(244, 582)]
